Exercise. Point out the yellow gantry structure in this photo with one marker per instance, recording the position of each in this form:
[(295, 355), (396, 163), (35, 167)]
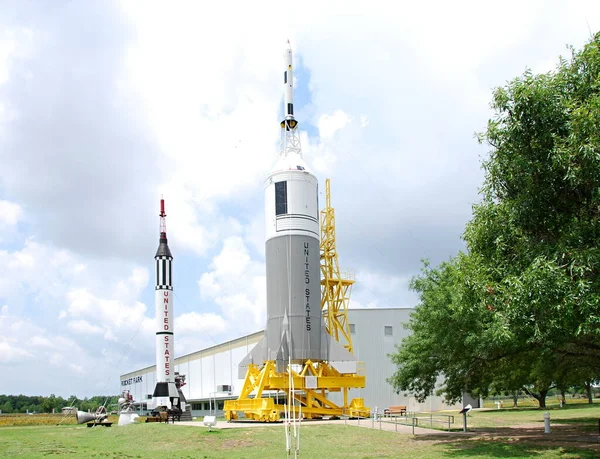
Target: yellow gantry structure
[(335, 289), (265, 390)]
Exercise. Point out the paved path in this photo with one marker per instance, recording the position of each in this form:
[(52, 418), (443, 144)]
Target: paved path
[(365, 423)]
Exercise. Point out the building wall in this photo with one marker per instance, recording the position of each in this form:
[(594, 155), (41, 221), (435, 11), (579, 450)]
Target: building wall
[(218, 365), (204, 370), (372, 346)]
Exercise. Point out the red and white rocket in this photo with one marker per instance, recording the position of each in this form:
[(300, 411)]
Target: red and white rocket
[(165, 392)]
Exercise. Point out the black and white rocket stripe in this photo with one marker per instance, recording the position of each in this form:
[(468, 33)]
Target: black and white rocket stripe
[(164, 273), (164, 265)]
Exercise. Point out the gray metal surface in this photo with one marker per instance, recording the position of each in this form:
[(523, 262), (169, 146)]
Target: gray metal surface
[(294, 323)]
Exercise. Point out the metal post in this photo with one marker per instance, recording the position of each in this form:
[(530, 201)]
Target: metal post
[(431, 420), (413, 425), (464, 422), (546, 422), (396, 422)]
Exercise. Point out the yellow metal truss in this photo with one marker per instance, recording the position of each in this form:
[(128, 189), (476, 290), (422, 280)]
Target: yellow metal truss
[(309, 393), (312, 381), (335, 288)]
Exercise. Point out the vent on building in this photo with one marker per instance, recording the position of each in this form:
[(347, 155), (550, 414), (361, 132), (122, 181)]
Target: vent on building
[(352, 329), (149, 397), (387, 330), (223, 388)]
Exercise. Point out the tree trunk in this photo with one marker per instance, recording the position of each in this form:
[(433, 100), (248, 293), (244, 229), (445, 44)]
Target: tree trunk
[(515, 399), (563, 400), (588, 388), (542, 398)]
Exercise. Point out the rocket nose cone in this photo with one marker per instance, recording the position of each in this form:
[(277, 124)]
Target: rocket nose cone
[(163, 249)]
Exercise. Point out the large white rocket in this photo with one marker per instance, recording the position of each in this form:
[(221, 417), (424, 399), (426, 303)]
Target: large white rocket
[(295, 330)]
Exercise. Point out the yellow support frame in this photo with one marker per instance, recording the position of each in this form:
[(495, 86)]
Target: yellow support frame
[(335, 288), (312, 398), (313, 402)]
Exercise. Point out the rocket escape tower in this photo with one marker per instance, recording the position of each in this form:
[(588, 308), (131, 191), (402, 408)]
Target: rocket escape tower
[(306, 352)]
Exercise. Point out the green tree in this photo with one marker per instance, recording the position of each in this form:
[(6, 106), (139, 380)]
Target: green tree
[(522, 306)]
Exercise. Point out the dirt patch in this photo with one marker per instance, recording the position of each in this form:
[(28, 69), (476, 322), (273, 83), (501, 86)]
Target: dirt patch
[(234, 444)]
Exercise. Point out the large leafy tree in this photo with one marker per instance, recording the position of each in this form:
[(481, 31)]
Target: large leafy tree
[(529, 285)]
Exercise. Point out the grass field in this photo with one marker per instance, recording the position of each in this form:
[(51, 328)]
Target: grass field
[(583, 416), (510, 432)]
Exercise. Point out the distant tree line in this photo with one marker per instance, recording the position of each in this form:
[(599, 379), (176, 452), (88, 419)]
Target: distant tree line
[(38, 404), (519, 310)]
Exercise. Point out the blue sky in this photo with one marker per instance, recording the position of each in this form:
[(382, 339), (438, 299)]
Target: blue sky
[(106, 106)]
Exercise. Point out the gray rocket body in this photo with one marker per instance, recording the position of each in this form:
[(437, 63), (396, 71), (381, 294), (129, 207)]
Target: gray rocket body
[(293, 299)]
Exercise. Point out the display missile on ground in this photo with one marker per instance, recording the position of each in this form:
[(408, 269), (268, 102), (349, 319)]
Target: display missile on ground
[(165, 392), (295, 330)]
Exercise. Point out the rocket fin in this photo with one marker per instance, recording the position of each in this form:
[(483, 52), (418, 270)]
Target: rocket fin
[(256, 356)]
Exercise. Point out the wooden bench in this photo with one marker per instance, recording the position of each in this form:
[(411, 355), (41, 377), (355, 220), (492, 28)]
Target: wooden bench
[(395, 410)]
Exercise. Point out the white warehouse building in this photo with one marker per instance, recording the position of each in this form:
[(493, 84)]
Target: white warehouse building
[(212, 373)]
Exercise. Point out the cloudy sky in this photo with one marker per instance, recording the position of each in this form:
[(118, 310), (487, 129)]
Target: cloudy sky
[(104, 106)]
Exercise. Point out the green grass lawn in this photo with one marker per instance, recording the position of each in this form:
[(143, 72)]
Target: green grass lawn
[(584, 415), (326, 441)]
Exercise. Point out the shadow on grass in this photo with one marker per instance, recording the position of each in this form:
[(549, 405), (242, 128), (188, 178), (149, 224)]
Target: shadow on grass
[(507, 448)]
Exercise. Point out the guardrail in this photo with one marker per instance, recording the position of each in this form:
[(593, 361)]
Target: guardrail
[(411, 418), (417, 419)]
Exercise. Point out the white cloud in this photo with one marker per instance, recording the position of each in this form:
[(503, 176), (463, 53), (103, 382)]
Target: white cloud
[(12, 353), (193, 322), (10, 213), (84, 327), (330, 124), (237, 284)]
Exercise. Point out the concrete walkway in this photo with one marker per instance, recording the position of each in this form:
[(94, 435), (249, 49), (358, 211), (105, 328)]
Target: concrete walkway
[(365, 423)]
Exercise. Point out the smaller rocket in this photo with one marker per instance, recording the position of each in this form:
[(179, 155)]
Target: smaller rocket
[(289, 122), (165, 393)]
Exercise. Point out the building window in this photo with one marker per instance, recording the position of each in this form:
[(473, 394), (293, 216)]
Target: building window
[(207, 406), (387, 330), (196, 406), (281, 198), (352, 329), (220, 405)]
